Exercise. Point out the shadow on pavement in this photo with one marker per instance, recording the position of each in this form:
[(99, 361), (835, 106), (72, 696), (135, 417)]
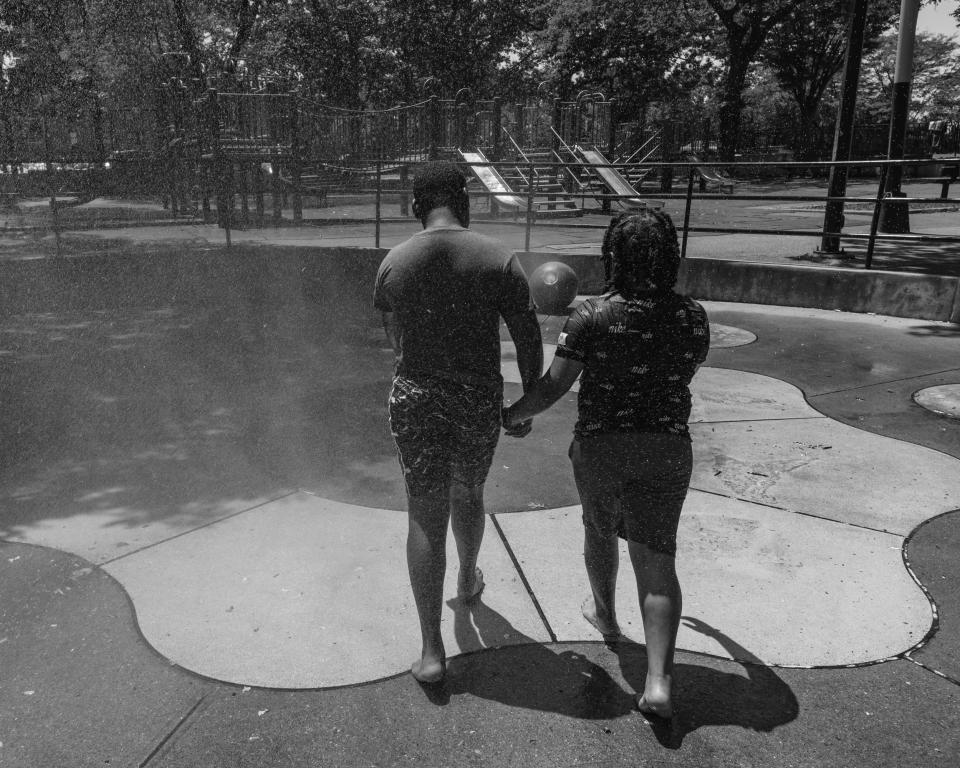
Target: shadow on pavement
[(759, 700), (564, 681), (926, 258), (943, 331), (172, 407)]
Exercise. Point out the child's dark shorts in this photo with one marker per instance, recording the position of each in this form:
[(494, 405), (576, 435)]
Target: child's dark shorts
[(444, 430), (633, 484)]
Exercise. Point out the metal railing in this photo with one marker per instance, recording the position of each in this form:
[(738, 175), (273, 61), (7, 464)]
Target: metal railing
[(693, 175), (578, 193)]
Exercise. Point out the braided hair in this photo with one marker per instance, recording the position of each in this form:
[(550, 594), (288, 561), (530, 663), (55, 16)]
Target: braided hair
[(640, 253)]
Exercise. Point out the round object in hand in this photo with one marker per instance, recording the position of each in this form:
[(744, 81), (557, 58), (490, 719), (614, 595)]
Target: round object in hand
[(553, 287)]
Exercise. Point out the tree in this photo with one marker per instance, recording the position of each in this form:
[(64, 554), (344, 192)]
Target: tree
[(744, 26), (936, 77), (605, 45), (461, 43), (806, 52), (768, 109), (51, 60), (331, 51), (218, 36), (362, 53)]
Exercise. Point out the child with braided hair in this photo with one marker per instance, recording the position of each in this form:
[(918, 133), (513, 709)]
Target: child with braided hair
[(638, 346)]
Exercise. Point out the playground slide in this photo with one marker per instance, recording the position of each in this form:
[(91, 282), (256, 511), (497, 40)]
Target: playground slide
[(492, 180), (711, 175), (614, 181)]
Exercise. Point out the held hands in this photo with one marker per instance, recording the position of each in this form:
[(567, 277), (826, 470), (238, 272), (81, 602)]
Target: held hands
[(514, 428)]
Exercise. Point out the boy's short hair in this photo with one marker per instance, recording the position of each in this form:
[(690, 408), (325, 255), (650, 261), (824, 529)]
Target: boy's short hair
[(438, 178), (439, 184)]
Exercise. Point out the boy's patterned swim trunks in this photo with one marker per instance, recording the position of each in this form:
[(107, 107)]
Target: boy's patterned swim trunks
[(444, 430)]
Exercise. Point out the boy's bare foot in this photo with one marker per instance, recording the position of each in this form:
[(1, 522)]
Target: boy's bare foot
[(609, 629), (656, 697), (429, 670), (468, 592)]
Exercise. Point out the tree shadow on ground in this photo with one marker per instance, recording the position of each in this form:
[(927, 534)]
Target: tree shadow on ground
[(945, 331), (184, 411), (927, 258), (565, 681)]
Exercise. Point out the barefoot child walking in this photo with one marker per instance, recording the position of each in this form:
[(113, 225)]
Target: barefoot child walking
[(442, 293), (638, 346)]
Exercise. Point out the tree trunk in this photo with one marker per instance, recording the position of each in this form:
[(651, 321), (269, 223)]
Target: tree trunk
[(731, 107), (806, 134), (188, 42)]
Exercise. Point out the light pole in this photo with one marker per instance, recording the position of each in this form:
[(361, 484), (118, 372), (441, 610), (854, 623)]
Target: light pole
[(894, 216)]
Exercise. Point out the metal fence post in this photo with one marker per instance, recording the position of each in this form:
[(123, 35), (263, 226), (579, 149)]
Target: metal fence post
[(612, 131), (404, 197), (276, 189), (376, 237), (530, 193), (51, 186), (433, 121), (686, 212), (223, 189), (875, 219), (295, 161)]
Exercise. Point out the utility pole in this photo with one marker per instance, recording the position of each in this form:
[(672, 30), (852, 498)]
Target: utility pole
[(895, 217), (843, 136)]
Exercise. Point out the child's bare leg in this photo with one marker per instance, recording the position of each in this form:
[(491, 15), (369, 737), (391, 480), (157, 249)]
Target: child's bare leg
[(426, 563), (601, 555), (468, 522), (661, 603)]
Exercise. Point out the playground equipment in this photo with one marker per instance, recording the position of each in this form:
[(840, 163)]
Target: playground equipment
[(234, 156), (601, 178), (492, 180), (612, 181), (532, 182), (711, 175)]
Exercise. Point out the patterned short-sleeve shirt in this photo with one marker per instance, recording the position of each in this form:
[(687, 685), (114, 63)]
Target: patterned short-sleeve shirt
[(639, 356)]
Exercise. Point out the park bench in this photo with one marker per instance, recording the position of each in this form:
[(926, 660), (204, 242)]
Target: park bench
[(948, 175)]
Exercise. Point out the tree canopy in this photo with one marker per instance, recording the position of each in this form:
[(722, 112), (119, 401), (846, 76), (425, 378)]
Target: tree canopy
[(699, 58), (607, 45), (806, 53), (935, 83)]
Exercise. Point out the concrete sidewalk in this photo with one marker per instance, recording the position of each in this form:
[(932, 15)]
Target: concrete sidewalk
[(202, 553), (201, 539)]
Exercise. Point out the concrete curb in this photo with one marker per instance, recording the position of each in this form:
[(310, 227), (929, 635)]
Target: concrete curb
[(343, 275), (897, 294)]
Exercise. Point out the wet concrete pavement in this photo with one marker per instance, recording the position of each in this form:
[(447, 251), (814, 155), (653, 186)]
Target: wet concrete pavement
[(202, 561)]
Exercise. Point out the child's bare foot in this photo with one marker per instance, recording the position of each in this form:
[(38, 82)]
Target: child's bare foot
[(470, 591), (429, 670), (609, 629), (656, 697)]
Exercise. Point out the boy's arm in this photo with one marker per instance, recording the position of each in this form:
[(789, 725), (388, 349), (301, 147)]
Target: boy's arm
[(525, 332), (392, 330), (568, 363), (556, 382)]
